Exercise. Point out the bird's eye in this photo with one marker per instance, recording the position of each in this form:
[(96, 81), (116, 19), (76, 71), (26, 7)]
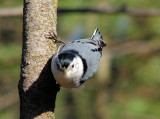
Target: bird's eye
[(73, 66)]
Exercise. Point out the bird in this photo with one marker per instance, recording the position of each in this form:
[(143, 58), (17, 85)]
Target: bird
[(76, 61)]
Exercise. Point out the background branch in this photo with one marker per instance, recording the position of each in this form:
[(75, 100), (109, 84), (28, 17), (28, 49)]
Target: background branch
[(5, 12), (124, 10), (142, 12)]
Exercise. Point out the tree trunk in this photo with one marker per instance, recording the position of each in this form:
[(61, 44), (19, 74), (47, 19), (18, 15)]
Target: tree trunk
[(37, 86)]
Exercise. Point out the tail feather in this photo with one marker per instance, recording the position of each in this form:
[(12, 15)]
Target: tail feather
[(97, 35)]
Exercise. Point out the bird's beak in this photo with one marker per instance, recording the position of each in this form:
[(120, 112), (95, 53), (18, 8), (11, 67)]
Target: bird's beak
[(59, 66), (62, 69)]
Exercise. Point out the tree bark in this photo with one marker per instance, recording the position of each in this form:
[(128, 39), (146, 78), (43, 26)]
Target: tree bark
[(37, 86)]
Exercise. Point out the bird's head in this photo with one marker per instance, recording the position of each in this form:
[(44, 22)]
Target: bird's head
[(71, 65)]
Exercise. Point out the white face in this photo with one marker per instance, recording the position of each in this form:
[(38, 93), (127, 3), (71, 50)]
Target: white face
[(75, 70), (71, 76)]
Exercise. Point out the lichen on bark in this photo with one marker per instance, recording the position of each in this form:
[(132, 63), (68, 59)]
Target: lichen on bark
[(37, 87)]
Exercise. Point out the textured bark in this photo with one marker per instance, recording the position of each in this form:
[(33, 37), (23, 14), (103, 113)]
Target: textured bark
[(37, 87)]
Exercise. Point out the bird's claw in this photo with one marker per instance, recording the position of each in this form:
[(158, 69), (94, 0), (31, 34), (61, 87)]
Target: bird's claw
[(54, 37)]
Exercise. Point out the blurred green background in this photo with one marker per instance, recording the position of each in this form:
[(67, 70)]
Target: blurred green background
[(127, 83)]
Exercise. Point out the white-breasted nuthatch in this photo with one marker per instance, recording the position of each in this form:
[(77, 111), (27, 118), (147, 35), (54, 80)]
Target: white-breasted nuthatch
[(77, 61)]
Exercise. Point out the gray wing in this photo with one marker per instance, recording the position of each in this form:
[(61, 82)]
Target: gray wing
[(88, 49)]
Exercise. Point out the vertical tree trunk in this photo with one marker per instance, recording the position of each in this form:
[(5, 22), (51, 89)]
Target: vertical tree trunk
[(37, 87)]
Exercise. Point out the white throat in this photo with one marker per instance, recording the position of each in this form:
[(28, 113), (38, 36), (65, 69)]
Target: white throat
[(75, 73)]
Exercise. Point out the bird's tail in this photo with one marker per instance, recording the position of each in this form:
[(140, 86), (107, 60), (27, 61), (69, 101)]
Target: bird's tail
[(97, 35)]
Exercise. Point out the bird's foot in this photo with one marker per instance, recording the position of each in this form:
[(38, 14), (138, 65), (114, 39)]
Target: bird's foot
[(54, 37)]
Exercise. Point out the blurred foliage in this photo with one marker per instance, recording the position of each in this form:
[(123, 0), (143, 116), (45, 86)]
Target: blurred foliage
[(129, 91), (10, 3)]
